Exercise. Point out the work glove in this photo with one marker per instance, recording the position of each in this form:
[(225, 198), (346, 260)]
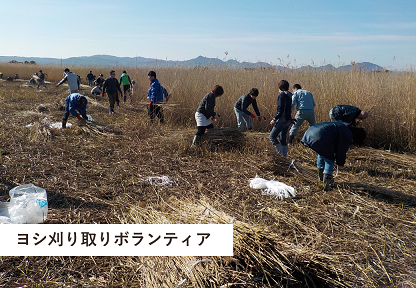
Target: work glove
[(150, 103), (259, 117), (85, 117), (252, 115), (102, 94), (79, 117), (293, 121)]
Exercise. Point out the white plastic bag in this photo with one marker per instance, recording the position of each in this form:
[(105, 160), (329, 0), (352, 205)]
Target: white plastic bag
[(4, 213), (271, 187), (28, 204)]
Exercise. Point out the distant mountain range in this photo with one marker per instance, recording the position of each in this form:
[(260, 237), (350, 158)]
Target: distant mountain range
[(200, 61)]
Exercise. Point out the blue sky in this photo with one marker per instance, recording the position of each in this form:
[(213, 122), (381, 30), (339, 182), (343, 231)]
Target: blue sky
[(297, 32)]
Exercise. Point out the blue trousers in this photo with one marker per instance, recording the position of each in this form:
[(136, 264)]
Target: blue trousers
[(241, 116), (280, 129), (326, 164)]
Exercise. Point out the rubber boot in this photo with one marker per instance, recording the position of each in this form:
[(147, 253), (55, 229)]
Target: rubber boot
[(284, 151), (63, 124), (279, 149), (328, 182), (321, 174), (196, 141), (290, 140)]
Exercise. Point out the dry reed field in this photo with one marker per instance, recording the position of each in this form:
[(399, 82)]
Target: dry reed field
[(360, 234)]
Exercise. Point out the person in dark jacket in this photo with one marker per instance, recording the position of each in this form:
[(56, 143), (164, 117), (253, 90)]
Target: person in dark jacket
[(282, 119), (90, 78), (331, 140), (241, 112), (75, 103), (347, 114), (112, 87), (41, 79), (99, 81), (205, 113), (155, 96)]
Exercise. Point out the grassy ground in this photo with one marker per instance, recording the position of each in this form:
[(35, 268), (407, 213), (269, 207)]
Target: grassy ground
[(360, 234)]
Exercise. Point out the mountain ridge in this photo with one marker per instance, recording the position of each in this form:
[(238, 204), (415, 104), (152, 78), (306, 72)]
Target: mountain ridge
[(104, 60)]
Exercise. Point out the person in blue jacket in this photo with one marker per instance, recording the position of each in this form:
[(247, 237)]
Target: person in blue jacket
[(331, 140), (241, 112), (305, 105), (155, 96), (283, 118), (75, 103), (347, 114)]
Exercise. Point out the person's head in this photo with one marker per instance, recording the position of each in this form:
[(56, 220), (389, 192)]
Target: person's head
[(40, 71), (217, 90), (151, 75), (254, 92), (296, 87), (124, 72), (66, 70), (363, 115), (82, 101), (101, 75), (358, 135), (112, 73), (283, 85), (90, 71)]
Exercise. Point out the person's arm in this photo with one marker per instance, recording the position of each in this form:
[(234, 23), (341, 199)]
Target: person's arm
[(280, 108), (245, 103), (255, 107), (62, 81), (118, 86), (83, 110), (105, 86), (71, 108), (344, 142), (165, 93), (210, 105), (294, 99)]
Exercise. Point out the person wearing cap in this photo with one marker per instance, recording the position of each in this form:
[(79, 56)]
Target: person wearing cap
[(331, 141), (90, 77), (347, 114), (75, 103), (305, 105), (241, 112), (112, 87), (205, 113), (72, 79), (155, 96), (1, 75), (41, 79), (282, 120), (126, 82)]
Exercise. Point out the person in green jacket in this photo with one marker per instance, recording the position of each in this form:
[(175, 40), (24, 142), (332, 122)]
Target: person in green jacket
[(126, 82)]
